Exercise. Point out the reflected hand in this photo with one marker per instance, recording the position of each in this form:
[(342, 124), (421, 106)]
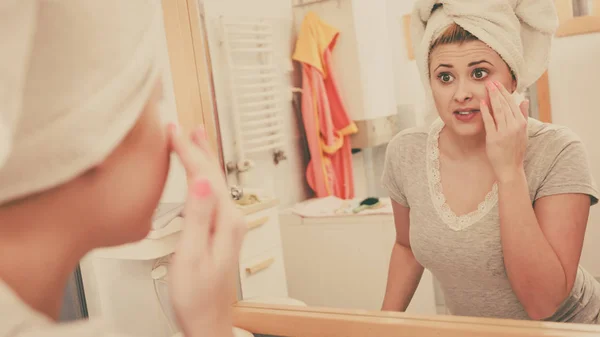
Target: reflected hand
[(203, 268), (506, 132)]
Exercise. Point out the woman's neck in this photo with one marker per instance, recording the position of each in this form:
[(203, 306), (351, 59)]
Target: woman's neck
[(38, 256), (461, 147)]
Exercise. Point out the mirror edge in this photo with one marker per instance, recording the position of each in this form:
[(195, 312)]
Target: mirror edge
[(278, 320)]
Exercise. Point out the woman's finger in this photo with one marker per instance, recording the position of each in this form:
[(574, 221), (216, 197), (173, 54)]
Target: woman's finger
[(200, 207), (183, 150), (230, 228), (524, 108), (509, 100), (200, 139), (488, 120), (508, 113), (496, 105)]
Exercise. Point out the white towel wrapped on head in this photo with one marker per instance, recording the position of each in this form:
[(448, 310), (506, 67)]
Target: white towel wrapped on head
[(520, 31), (76, 75)]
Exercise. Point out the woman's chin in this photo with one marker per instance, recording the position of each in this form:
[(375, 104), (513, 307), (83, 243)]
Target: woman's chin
[(140, 232), (130, 233), (469, 130)]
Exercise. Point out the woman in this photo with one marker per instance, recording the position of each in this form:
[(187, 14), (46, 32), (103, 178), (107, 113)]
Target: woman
[(495, 204), (83, 161)]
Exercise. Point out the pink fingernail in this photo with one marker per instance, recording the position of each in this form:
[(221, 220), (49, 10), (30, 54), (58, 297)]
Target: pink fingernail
[(483, 102), (491, 86), (201, 189)]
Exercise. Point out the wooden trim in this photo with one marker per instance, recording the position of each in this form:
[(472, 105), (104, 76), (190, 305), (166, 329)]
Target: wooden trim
[(407, 39), (190, 68), (317, 322), (204, 76), (543, 97), (181, 60), (595, 10), (579, 25), (570, 25), (564, 10)]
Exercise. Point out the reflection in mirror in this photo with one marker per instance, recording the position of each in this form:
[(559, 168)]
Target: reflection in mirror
[(451, 183)]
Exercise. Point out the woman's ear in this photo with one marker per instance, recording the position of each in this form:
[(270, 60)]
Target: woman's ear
[(514, 85)]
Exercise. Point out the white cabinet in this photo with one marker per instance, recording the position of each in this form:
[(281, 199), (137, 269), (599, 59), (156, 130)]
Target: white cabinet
[(262, 267), (264, 275), (343, 262)]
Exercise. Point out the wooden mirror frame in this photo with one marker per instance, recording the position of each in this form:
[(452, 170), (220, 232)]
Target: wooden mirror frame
[(317, 322), (190, 68), (190, 64)]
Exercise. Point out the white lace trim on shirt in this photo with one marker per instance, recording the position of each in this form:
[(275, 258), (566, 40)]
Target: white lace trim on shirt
[(448, 216)]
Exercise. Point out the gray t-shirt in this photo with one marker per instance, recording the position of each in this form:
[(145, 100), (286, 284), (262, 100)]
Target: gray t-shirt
[(464, 252)]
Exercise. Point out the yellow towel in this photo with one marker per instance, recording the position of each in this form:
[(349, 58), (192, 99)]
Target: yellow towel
[(314, 37)]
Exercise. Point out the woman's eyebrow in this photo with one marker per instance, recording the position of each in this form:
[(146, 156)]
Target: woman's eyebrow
[(474, 63), (443, 65), (479, 62)]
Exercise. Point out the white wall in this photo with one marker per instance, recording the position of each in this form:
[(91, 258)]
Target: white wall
[(372, 35), (408, 88), (286, 179), (573, 96)]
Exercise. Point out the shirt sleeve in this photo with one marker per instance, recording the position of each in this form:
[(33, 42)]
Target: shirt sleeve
[(391, 178), (569, 169), (17, 30)]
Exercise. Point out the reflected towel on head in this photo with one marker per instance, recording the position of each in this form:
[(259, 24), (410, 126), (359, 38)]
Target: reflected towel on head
[(76, 78), (520, 31)]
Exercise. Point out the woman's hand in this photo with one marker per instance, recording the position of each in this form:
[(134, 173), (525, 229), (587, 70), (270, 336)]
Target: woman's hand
[(203, 269), (506, 132)]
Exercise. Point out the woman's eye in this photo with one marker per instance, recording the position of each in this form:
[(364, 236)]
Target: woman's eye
[(479, 73), (445, 77)]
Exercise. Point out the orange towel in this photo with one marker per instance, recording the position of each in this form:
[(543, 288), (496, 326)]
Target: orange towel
[(326, 121)]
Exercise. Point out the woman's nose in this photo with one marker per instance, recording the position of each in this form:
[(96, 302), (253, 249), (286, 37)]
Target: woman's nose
[(463, 93)]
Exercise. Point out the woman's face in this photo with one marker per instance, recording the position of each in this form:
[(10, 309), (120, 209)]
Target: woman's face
[(458, 74), (126, 188)]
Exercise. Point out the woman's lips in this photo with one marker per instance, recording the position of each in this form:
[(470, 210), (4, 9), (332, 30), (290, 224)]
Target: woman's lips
[(466, 115)]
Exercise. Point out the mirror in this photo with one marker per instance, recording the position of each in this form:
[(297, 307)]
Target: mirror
[(331, 252)]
